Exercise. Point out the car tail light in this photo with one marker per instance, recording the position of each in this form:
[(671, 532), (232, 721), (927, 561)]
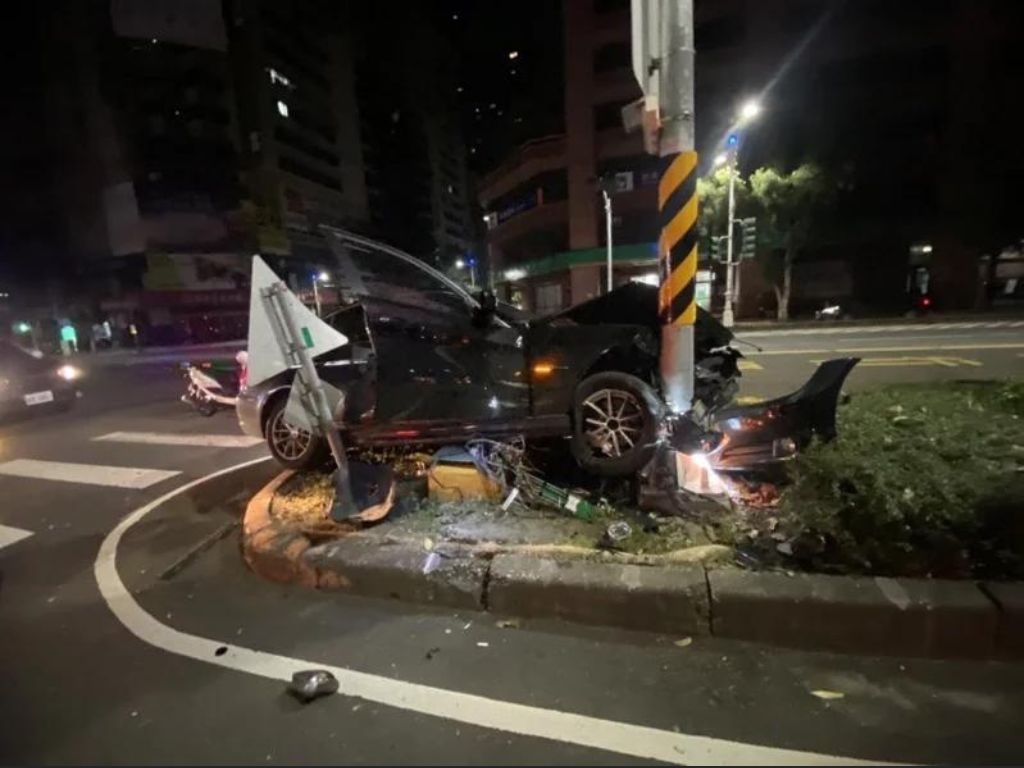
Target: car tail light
[(926, 301)]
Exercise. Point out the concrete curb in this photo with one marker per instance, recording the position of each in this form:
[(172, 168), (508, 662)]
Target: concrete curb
[(864, 615)]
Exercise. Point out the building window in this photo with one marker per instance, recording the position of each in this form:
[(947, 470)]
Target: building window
[(611, 56), (278, 79), (282, 108), (549, 297)]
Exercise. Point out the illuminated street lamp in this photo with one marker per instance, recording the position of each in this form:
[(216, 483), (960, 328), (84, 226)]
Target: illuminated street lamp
[(749, 111), (460, 264), (319, 277)]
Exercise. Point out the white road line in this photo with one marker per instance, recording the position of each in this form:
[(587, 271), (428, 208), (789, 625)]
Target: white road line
[(89, 474), (610, 735), (831, 331), (10, 535), (167, 438)]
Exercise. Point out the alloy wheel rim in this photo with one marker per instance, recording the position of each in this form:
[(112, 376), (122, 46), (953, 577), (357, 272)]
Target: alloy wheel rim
[(613, 421), (290, 442)]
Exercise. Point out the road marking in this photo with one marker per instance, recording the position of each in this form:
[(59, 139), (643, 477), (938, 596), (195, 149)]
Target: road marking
[(919, 348), (10, 535), (90, 474), (610, 735), (749, 400), (750, 365), (166, 438), (900, 362), (826, 330)]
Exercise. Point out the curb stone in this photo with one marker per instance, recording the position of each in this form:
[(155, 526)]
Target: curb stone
[(865, 615)]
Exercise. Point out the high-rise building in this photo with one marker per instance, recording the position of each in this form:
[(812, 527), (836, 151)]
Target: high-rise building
[(898, 112), (417, 179)]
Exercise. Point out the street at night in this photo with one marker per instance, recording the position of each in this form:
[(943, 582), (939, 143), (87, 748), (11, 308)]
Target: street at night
[(120, 685), (579, 382)]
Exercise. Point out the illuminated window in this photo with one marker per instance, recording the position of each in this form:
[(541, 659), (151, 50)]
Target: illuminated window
[(278, 79), (282, 108)]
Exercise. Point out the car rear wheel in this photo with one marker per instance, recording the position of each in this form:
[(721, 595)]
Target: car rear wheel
[(291, 446), (615, 423)]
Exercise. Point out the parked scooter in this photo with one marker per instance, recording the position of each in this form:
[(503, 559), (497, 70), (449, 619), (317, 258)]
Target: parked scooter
[(208, 394)]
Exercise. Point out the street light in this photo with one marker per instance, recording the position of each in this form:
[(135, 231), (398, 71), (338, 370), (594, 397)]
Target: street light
[(721, 159), (460, 264), (319, 277), (750, 110)]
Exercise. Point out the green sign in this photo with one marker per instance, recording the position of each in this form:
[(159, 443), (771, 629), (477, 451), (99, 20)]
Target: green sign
[(307, 337)]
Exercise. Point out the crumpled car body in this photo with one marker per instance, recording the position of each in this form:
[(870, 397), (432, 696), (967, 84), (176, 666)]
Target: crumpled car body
[(427, 363)]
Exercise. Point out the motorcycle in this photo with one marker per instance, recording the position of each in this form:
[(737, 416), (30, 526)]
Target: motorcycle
[(206, 393)]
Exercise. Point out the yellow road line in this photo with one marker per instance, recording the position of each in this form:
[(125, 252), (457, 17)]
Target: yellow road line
[(749, 400), (856, 350), (750, 365)]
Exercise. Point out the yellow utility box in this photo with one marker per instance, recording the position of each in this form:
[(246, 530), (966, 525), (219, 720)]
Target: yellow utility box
[(460, 482)]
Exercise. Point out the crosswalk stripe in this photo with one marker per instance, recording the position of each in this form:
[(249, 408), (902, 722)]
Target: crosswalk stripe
[(10, 535), (88, 474), (164, 438)]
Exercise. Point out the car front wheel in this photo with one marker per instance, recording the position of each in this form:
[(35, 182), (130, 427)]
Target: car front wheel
[(615, 423), (291, 446)]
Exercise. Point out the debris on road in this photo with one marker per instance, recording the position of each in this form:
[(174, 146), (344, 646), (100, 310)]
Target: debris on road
[(311, 684), (507, 624), (431, 653), (483, 644), (683, 642), (827, 695)]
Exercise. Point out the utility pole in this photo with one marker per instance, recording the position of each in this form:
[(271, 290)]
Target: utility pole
[(608, 234), (730, 266), (677, 201), (316, 296)]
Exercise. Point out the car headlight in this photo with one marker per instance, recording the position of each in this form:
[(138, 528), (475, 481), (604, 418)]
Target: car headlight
[(68, 372)]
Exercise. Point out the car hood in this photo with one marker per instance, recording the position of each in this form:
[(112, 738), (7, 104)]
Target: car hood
[(635, 304)]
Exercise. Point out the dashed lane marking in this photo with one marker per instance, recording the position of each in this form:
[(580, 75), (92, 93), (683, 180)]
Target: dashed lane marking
[(88, 474), (750, 365), (10, 535), (166, 438), (609, 735)]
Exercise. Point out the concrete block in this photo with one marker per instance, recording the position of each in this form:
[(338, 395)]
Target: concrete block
[(670, 599), (908, 617), (1009, 600), (401, 571)]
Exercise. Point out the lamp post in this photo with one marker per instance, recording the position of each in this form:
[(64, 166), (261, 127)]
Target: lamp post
[(749, 111), (319, 277), (608, 235)]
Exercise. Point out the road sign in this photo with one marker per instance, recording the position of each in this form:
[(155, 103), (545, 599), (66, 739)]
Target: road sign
[(645, 18), (267, 357)]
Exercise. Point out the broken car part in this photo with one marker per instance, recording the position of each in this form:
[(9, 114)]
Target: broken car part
[(311, 684)]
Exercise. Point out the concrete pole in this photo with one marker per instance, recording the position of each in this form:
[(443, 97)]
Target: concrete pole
[(608, 236), (677, 204), (730, 266)]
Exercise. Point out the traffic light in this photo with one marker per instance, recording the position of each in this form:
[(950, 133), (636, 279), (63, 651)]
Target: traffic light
[(748, 242), (718, 248)]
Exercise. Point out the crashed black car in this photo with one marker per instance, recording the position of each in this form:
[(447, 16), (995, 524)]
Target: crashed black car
[(429, 363)]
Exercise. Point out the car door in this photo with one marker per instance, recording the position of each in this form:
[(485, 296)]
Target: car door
[(435, 360)]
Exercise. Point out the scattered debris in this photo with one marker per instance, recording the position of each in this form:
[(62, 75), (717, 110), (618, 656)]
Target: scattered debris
[(619, 530), (428, 544), (467, 625), (448, 631), (482, 644), (507, 624), (431, 653), (311, 684), (431, 562), (683, 642), (827, 695)]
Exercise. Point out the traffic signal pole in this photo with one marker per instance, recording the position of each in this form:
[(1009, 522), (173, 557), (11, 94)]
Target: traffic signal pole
[(677, 204)]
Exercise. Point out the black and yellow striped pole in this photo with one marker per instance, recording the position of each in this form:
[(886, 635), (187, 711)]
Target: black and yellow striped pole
[(677, 203)]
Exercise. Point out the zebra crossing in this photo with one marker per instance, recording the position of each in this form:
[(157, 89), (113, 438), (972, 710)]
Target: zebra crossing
[(135, 478), (826, 330)]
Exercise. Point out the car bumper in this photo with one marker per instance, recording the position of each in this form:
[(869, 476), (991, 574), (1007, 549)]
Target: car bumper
[(247, 409), (15, 406)]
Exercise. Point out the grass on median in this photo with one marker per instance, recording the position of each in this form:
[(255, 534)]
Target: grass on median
[(923, 480)]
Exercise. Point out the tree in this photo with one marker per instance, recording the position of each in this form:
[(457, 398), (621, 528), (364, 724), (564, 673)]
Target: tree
[(789, 208), (713, 194)]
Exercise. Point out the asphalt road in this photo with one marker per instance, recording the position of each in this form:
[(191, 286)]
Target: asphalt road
[(889, 353), (82, 684)]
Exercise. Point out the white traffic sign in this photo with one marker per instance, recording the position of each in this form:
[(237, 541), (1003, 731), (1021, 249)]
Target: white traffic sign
[(267, 357)]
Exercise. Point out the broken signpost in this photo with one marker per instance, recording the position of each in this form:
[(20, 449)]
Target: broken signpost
[(285, 334)]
